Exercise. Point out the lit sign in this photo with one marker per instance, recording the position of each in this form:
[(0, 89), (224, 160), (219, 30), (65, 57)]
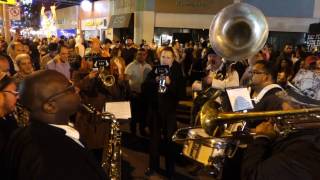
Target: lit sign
[(66, 32), (94, 23), (11, 2)]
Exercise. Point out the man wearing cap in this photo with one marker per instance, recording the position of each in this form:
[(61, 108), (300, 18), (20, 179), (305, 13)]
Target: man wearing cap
[(95, 47)]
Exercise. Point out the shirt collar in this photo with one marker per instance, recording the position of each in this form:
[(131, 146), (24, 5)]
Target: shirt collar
[(70, 132)]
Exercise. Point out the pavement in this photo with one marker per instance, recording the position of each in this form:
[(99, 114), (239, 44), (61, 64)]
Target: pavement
[(135, 160)]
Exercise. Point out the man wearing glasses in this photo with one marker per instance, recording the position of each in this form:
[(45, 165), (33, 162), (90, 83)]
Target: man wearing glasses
[(49, 148), (274, 156), (9, 95), (265, 95), (263, 87)]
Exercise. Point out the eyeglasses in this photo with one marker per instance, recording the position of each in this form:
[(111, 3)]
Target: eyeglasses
[(256, 72), (70, 88), (14, 93)]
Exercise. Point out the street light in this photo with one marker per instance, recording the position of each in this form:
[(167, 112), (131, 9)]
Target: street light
[(86, 5)]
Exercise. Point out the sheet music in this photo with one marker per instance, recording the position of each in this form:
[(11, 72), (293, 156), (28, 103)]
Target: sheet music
[(239, 99), (121, 110)]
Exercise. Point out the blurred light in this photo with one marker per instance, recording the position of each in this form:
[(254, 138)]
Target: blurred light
[(86, 5), (26, 2)]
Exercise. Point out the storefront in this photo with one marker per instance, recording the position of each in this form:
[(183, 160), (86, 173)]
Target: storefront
[(94, 28), (67, 20), (122, 26)]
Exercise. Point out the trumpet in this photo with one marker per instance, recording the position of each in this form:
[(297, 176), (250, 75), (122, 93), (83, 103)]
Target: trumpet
[(107, 79), (162, 71), (162, 84)]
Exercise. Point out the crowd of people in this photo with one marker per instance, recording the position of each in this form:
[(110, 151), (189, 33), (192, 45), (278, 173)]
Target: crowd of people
[(48, 77)]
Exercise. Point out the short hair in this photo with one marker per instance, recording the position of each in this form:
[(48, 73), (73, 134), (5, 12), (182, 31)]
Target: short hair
[(53, 47), (107, 41), (142, 49), (62, 46), (167, 49), (20, 57), (268, 68)]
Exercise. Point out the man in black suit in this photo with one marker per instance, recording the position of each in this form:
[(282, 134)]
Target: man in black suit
[(161, 109), (49, 148)]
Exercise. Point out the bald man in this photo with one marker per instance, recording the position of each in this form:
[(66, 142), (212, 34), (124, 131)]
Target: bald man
[(49, 148)]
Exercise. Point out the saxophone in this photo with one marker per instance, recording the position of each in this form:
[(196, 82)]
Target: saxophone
[(22, 115), (111, 157)]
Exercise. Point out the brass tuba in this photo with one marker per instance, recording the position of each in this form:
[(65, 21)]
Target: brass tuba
[(238, 31)]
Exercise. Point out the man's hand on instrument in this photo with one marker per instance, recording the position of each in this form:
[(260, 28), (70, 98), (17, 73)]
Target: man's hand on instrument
[(266, 129), (93, 74)]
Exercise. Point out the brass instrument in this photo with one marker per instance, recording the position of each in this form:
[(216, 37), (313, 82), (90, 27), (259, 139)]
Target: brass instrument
[(111, 159), (238, 31), (162, 71), (102, 65), (106, 78), (287, 121), (22, 115)]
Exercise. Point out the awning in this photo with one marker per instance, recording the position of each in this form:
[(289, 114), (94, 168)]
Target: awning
[(120, 21)]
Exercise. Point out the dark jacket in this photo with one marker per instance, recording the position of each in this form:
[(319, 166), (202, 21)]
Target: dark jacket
[(270, 102), (175, 90), (7, 125), (128, 54), (94, 93), (296, 157), (40, 151)]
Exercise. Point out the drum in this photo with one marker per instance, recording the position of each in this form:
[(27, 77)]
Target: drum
[(204, 150)]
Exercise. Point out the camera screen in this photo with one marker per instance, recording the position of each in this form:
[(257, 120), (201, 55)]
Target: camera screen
[(101, 63), (162, 70), (98, 61)]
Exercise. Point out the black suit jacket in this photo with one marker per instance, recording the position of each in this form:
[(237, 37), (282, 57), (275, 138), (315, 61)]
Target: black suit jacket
[(41, 151)]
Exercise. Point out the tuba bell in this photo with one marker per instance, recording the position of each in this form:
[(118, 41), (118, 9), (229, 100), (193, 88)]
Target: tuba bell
[(238, 31)]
